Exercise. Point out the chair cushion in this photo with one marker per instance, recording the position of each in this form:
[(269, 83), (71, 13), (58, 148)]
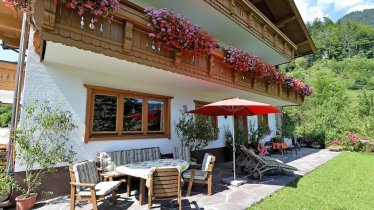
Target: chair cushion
[(102, 188), (113, 173), (85, 172), (129, 156), (105, 162), (205, 163), (182, 153), (198, 175)]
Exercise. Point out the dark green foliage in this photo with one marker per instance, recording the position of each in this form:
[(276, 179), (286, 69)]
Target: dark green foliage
[(256, 134), (341, 73), (366, 16), (5, 114), (288, 124), (340, 40)]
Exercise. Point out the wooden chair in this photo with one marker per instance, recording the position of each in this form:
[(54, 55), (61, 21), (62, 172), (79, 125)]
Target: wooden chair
[(85, 184), (183, 153), (165, 184), (201, 176), (290, 145)]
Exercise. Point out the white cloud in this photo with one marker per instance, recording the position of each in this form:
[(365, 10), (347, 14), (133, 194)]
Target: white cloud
[(311, 9), (360, 7)]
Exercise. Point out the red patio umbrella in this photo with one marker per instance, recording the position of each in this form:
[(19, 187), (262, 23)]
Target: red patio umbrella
[(235, 107)]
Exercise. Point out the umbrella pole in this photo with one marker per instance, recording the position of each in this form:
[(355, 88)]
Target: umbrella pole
[(233, 143)]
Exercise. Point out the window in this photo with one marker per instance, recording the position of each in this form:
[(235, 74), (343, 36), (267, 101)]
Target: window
[(263, 118), (213, 120), (120, 114)]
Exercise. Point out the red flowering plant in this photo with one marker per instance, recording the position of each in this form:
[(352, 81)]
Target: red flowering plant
[(279, 77), (298, 86), (19, 4), (269, 73), (96, 7), (240, 60), (178, 34)]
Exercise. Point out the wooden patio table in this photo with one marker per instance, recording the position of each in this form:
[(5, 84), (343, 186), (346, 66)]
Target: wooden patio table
[(144, 171)]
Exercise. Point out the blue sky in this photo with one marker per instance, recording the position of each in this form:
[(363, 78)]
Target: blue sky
[(309, 10), (335, 9)]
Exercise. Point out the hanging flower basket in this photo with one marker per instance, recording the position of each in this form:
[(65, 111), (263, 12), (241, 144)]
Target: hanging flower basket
[(101, 8), (177, 34)]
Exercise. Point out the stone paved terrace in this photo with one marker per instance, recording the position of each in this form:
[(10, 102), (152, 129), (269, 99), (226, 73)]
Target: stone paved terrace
[(224, 197)]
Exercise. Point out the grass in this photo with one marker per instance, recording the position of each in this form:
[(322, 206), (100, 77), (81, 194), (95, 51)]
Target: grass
[(345, 182)]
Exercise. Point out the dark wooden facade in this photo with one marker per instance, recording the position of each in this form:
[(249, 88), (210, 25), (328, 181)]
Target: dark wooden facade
[(126, 37)]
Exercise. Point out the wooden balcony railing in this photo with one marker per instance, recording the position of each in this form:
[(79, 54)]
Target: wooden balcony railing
[(245, 14), (126, 37)]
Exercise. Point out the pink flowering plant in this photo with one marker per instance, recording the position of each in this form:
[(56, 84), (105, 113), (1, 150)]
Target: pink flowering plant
[(298, 86), (178, 34), (101, 8), (256, 68), (239, 59), (95, 7), (348, 141), (23, 5), (262, 150)]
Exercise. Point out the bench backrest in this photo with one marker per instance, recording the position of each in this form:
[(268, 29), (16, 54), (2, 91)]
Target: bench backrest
[(110, 160)]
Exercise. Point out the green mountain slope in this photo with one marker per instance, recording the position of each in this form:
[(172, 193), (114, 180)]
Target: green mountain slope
[(366, 16), (342, 75)]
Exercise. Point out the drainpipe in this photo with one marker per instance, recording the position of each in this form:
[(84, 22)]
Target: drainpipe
[(17, 92)]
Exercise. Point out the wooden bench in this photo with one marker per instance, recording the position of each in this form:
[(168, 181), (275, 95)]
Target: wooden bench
[(109, 161)]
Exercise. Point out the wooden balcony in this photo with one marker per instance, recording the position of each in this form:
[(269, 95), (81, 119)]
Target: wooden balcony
[(7, 75), (245, 14), (10, 25), (127, 38)]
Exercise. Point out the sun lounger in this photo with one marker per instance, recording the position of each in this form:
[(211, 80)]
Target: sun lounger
[(258, 165)]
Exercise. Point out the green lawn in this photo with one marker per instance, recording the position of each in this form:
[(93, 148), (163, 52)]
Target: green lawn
[(345, 182)]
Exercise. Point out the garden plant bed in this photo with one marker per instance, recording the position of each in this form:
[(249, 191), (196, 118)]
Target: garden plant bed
[(346, 182)]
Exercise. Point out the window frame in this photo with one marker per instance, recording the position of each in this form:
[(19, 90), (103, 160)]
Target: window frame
[(119, 133), (214, 119)]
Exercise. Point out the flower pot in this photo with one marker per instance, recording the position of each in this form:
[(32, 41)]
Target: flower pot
[(24, 203), (4, 197)]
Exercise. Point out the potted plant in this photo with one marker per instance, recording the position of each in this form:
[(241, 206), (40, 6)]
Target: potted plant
[(6, 184), (195, 133), (239, 139), (42, 143), (256, 134)]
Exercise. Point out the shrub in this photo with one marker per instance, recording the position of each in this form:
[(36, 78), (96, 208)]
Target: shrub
[(256, 134), (42, 138), (5, 114), (195, 133)]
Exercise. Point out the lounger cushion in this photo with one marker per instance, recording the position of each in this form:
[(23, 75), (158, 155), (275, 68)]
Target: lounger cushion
[(198, 175), (102, 188), (85, 172)]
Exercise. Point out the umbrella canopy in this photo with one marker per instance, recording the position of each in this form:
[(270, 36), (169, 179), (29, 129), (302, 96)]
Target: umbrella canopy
[(235, 107)]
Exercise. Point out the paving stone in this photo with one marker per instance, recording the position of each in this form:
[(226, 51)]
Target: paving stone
[(224, 196)]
